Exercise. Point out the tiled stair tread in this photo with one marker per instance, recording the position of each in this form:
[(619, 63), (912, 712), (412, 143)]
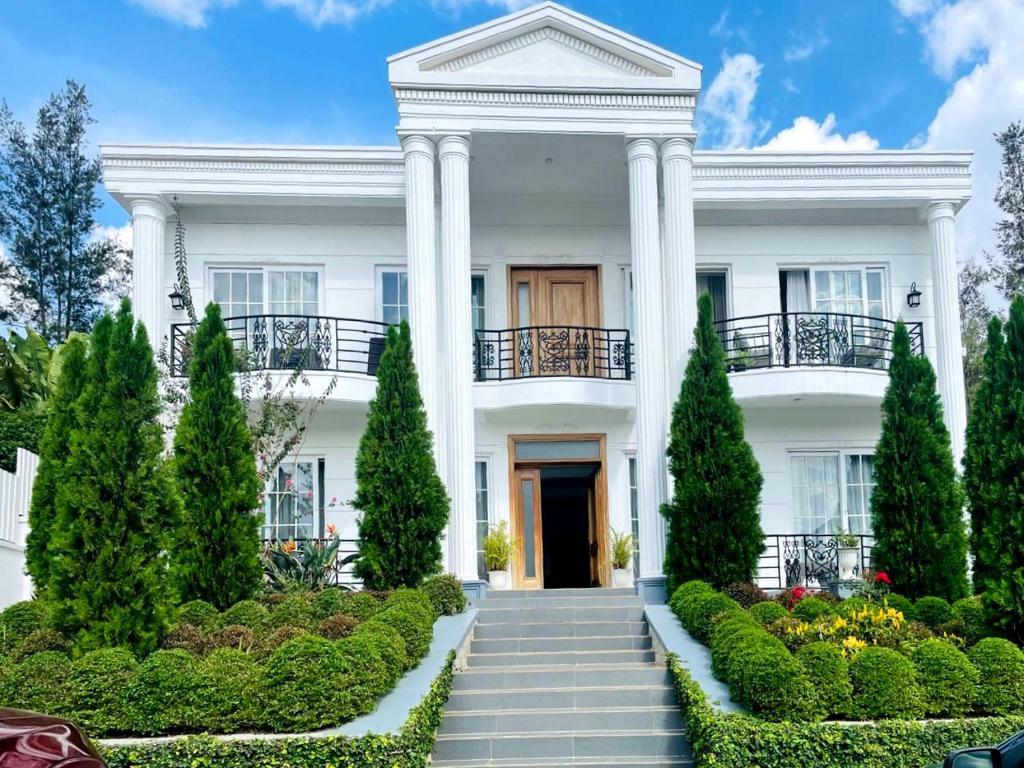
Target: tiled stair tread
[(636, 720), (548, 594), (586, 762), (636, 642), (559, 658)]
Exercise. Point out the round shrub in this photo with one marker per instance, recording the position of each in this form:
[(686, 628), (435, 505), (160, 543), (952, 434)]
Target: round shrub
[(968, 620), (188, 638), (329, 602), (20, 620), (99, 682), (766, 612), (248, 613), (293, 611), (810, 608), (702, 610), (361, 605), (304, 686), (728, 635), (232, 696), (884, 686), (684, 593), (948, 680), (445, 593), (772, 682), (745, 593), (40, 683), (829, 673), (1000, 666), (41, 640), (198, 613), (274, 640), (931, 611), (337, 627), (787, 631), (416, 631), (234, 636), (166, 694), (389, 645), (368, 666), (416, 599), (900, 603)]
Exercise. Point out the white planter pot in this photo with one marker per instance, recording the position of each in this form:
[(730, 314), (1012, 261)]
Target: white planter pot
[(498, 579), (621, 577), (849, 559)]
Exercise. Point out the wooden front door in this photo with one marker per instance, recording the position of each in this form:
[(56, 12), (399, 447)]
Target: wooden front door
[(529, 529)]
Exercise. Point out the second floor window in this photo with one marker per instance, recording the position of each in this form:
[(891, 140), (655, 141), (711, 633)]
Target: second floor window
[(259, 291), (478, 303), (394, 296), (832, 492)]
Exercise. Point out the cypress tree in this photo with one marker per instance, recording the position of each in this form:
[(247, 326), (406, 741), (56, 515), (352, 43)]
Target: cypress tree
[(61, 421), (403, 502), (981, 457), (216, 556), (714, 521), (917, 504), (116, 501)]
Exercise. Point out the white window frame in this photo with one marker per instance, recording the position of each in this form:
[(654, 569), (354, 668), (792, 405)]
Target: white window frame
[(841, 455), (488, 479), (482, 273), (378, 279), (830, 266), (318, 502), (719, 269), (632, 488), (265, 270)]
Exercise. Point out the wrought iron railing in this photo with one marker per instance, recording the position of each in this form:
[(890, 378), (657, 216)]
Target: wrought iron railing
[(287, 342), (579, 351), (811, 339), (809, 560), (341, 572)]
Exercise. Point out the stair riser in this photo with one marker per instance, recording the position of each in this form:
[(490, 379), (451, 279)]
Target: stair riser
[(632, 746), (620, 763), (549, 630), (614, 601), (548, 594), (559, 678), (534, 723), (559, 615), (562, 644), (571, 658), (593, 698)]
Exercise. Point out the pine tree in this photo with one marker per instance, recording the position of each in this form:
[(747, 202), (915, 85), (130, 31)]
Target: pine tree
[(216, 556), (61, 421), (714, 522), (403, 502), (982, 455), (116, 501), (917, 504)]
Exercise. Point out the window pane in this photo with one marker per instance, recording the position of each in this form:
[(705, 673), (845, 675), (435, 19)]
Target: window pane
[(239, 283), (389, 287), (821, 291), (634, 515), (558, 449), (838, 285), (529, 553), (874, 278), (855, 288), (276, 286), (477, 299), (221, 287), (293, 286), (309, 286), (403, 288), (523, 301), (482, 516)]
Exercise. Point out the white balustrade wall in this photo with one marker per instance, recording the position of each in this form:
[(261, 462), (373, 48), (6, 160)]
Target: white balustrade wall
[(15, 496)]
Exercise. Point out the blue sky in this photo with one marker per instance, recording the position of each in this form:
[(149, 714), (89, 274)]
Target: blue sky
[(777, 73)]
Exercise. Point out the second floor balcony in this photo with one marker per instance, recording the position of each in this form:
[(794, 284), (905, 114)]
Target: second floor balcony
[(549, 351)]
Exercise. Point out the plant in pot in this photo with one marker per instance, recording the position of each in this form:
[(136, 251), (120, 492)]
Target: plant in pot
[(498, 555), (622, 554), (848, 554)]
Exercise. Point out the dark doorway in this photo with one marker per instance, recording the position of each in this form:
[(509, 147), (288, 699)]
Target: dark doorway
[(568, 526)]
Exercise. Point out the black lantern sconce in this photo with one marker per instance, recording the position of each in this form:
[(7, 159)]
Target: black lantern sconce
[(914, 297), (177, 300)]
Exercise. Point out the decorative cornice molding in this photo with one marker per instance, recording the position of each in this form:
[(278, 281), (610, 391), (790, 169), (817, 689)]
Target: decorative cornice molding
[(560, 100), (535, 36), (206, 165), (817, 171)]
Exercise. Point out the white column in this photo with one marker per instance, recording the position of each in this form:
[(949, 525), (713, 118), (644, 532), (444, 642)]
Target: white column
[(149, 297), (651, 413), (456, 353), (945, 294), (680, 266)]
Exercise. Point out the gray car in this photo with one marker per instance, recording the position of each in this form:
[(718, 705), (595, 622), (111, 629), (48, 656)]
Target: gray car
[(1009, 754)]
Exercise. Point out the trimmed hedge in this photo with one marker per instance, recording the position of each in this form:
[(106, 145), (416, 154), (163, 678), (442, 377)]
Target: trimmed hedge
[(41, 683), (199, 613), (949, 682), (1000, 665), (884, 686), (167, 694), (829, 673), (22, 428), (931, 611), (233, 696), (293, 611), (810, 608), (99, 683), (248, 613), (20, 620), (445, 593), (306, 682), (767, 612)]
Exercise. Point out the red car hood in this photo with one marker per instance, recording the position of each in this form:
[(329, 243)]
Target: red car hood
[(31, 740)]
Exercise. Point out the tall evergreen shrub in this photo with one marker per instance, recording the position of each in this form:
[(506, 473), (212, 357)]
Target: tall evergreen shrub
[(403, 502), (216, 554), (917, 504), (714, 522), (116, 501), (61, 421)]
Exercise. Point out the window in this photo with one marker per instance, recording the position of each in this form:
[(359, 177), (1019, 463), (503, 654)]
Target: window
[(832, 492), (292, 501), (714, 283), (849, 291), (634, 515), (479, 304), (257, 291), (394, 296), (483, 518), (293, 292), (238, 291)]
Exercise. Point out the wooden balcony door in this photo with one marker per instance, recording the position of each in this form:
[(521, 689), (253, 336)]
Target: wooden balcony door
[(558, 307)]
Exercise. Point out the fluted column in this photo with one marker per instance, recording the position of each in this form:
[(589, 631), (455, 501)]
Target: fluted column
[(680, 257), (651, 413), (945, 294), (149, 297), (456, 354)]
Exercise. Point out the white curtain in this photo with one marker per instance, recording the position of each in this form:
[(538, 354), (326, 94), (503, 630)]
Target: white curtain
[(797, 300)]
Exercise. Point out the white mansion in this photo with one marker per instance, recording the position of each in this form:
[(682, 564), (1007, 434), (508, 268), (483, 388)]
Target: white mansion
[(545, 226)]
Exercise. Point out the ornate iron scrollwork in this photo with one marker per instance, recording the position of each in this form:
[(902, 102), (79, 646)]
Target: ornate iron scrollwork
[(582, 349), (813, 340), (525, 353), (259, 342), (322, 342), (553, 351)]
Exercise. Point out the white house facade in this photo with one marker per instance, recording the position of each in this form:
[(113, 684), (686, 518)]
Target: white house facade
[(545, 225)]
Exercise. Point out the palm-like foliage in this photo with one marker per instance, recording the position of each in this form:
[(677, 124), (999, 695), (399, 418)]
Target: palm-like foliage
[(29, 369)]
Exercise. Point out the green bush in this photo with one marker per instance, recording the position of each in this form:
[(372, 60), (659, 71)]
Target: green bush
[(41, 640), (931, 611), (186, 637), (852, 605), (293, 611), (416, 599), (232, 691), (884, 686), (248, 613), (900, 603), (337, 627), (772, 682), (198, 613), (700, 611), (445, 594), (948, 680), (1000, 665), (968, 620), (767, 612), (368, 666), (270, 642), (234, 636), (20, 620), (40, 683), (329, 602), (729, 635), (100, 680), (389, 645), (22, 428), (416, 631), (166, 694), (829, 674), (305, 684), (810, 608)]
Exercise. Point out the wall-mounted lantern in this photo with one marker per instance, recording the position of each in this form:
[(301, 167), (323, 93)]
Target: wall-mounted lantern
[(914, 297), (177, 300)]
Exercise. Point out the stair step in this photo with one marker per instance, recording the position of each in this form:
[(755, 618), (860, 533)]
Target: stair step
[(560, 629), (559, 644), (597, 601), (546, 721), (561, 658), (526, 746), (547, 594), (561, 762), (546, 678), (561, 699), (559, 615)]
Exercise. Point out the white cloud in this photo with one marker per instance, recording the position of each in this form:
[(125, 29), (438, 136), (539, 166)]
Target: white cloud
[(789, 85), (805, 46), (321, 12), (724, 117), (724, 30), (456, 6), (191, 13), (123, 234), (807, 134)]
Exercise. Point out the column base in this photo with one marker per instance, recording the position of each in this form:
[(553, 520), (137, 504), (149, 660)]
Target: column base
[(652, 590), (474, 589)]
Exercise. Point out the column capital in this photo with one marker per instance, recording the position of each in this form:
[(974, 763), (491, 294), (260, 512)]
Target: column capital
[(677, 148), (150, 206), (417, 144), (641, 149), (940, 209), (457, 144)]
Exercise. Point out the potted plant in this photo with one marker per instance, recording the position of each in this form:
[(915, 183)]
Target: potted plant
[(622, 555), (848, 554), (497, 555)]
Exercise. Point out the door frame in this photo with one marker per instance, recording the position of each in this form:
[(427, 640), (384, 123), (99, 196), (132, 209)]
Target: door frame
[(600, 500), (512, 308)]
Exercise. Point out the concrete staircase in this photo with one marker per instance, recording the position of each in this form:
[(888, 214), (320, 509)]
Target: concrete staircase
[(561, 678)]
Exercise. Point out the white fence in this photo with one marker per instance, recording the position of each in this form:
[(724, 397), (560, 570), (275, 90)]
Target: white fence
[(15, 496)]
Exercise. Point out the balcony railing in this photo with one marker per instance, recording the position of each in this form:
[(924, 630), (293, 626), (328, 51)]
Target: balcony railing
[(537, 351), (287, 342), (808, 560), (793, 339)]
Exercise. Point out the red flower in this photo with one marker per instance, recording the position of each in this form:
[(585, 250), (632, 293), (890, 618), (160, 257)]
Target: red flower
[(798, 593), (883, 577)]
